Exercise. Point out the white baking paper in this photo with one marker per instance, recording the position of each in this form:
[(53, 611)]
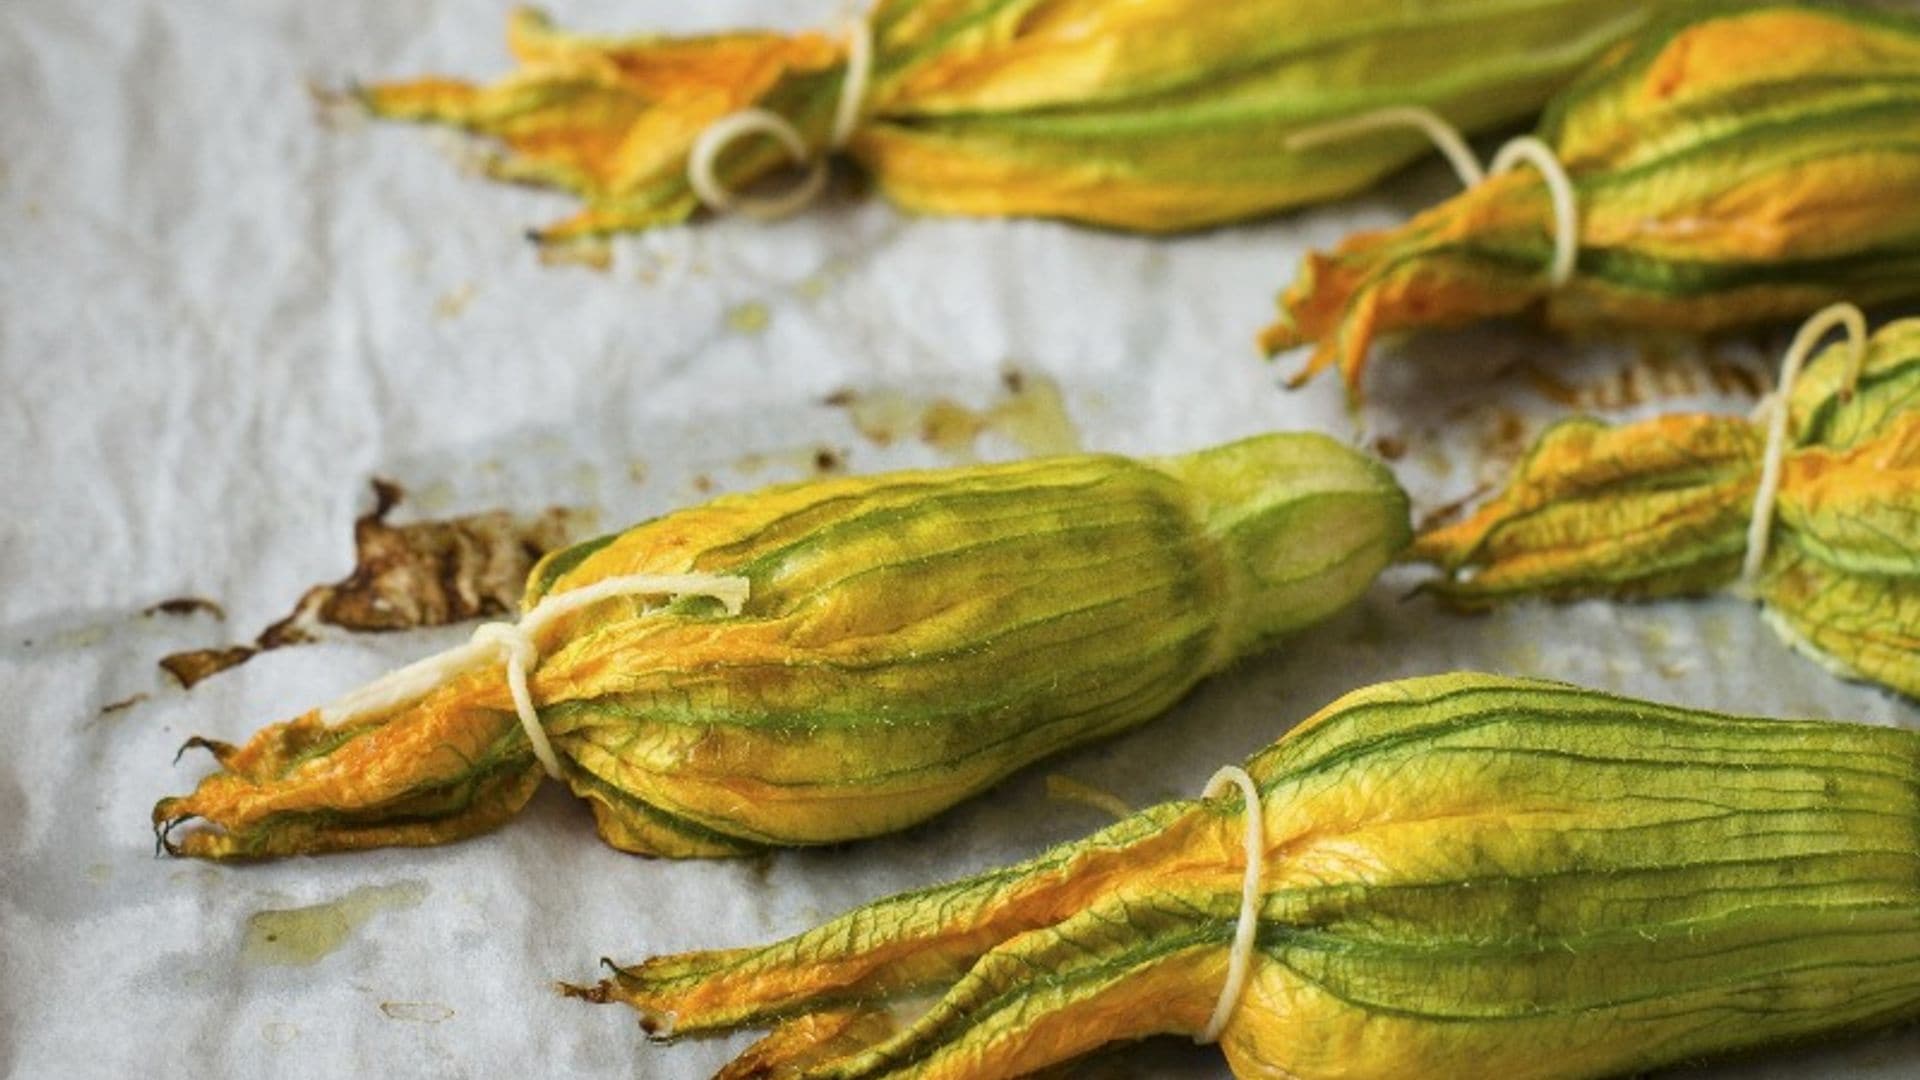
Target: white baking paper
[(219, 317)]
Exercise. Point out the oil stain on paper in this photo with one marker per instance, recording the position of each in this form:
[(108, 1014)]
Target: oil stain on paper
[(416, 1012), (1029, 411), (750, 318), (303, 936)]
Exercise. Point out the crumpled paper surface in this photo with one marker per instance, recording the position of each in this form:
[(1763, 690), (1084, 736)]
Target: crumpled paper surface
[(222, 313)]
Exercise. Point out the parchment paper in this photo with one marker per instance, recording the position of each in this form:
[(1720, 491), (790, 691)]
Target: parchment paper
[(219, 317)]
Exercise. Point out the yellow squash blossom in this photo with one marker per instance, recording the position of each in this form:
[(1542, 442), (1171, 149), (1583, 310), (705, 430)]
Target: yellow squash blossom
[(1735, 170), (1140, 114), (1663, 508), (847, 656), (1460, 876)]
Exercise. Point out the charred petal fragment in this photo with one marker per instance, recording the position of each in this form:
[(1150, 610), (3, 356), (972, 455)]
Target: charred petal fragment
[(185, 605), (428, 573), (122, 705), (195, 665)]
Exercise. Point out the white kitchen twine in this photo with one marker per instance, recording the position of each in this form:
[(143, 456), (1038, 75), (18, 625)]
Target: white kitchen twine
[(702, 160), (1775, 406), (513, 643), (1241, 957), (1525, 149)]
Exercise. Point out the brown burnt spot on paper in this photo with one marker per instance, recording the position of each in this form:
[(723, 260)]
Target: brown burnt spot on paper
[(817, 460), (185, 605), (1495, 436), (1735, 379), (1505, 437), (122, 705), (1655, 374), (1029, 411), (1551, 386), (1441, 515), (428, 573)]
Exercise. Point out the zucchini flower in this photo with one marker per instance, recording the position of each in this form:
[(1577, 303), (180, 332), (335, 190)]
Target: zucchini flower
[(1152, 115), (1455, 876), (1823, 532), (843, 657), (1740, 169)]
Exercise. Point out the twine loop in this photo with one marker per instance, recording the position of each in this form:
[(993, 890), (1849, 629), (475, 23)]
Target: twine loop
[(1240, 959), (704, 157), (1522, 150)]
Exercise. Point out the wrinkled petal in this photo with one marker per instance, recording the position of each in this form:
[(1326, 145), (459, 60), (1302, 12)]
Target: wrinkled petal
[(1646, 510), (611, 119), (1463, 875), (1152, 115), (1826, 411), (1740, 169), (1662, 507), (907, 640)]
